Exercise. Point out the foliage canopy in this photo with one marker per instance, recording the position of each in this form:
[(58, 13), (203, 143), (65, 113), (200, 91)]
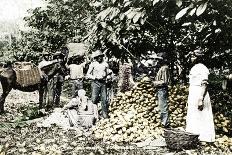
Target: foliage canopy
[(124, 28)]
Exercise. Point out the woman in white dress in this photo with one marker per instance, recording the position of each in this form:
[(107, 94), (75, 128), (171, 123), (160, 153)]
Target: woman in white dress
[(199, 114)]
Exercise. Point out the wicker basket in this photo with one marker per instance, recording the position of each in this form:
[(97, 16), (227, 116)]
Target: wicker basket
[(180, 140)]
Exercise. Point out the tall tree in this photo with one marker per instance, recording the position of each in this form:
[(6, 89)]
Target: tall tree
[(178, 27), (52, 27), (125, 28)]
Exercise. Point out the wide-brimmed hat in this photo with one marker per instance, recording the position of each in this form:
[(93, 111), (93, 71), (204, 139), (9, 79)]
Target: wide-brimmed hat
[(155, 56), (97, 54), (59, 53)]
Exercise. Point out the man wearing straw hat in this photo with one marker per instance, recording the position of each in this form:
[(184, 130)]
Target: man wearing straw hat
[(98, 73), (76, 76), (161, 82)]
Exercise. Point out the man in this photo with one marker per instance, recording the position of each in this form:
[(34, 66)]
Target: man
[(98, 72), (58, 79), (161, 82), (45, 60), (76, 69), (81, 111)]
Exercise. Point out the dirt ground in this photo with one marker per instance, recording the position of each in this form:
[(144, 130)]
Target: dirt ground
[(19, 134)]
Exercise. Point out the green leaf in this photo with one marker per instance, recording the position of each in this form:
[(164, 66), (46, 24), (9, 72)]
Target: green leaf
[(136, 17), (214, 23), (103, 24), (131, 14), (110, 28), (114, 12), (192, 11), (103, 14), (186, 24), (181, 13), (201, 9), (154, 2), (142, 20), (122, 16), (46, 32), (127, 4), (179, 3), (128, 11), (113, 1)]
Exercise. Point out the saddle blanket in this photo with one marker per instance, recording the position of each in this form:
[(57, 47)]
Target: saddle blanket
[(28, 77)]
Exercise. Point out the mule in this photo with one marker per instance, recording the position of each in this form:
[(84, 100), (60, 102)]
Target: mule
[(8, 81)]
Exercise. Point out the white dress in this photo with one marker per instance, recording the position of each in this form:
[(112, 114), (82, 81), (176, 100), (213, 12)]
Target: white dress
[(199, 122)]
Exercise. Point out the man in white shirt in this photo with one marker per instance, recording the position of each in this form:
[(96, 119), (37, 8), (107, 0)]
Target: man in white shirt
[(98, 73), (76, 69)]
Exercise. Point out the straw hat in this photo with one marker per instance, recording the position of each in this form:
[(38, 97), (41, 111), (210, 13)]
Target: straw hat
[(155, 56)]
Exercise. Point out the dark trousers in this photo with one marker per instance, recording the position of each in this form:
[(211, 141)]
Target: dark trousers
[(99, 88), (162, 94), (57, 89)]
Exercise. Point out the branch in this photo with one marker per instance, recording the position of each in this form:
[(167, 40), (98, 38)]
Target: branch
[(127, 51)]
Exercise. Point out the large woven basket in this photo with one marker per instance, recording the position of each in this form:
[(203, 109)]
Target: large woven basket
[(180, 140)]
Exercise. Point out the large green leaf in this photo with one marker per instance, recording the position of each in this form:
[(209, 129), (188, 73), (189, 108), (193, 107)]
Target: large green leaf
[(131, 14), (155, 1), (192, 11), (114, 13), (181, 13), (137, 16), (127, 3), (103, 14), (201, 9), (179, 3), (122, 16), (103, 24), (128, 11)]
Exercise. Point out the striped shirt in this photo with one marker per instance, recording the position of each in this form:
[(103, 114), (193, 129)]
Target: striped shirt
[(163, 76)]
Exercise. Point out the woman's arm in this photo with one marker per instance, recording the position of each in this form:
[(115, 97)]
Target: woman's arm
[(204, 90)]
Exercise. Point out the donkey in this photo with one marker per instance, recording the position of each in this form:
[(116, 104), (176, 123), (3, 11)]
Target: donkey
[(8, 81)]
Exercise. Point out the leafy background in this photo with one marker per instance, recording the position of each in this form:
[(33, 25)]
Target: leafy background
[(124, 28)]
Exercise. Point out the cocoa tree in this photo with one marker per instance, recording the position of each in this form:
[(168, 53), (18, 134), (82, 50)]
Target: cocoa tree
[(124, 28), (52, 27), (131, 28)]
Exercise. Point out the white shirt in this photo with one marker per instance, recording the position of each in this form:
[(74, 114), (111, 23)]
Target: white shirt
[(76, 71), (97, 70)]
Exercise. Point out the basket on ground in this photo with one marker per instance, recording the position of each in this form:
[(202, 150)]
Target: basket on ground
[(180, 140)]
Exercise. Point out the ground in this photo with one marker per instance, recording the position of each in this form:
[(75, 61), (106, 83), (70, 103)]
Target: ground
[(19, 133)]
